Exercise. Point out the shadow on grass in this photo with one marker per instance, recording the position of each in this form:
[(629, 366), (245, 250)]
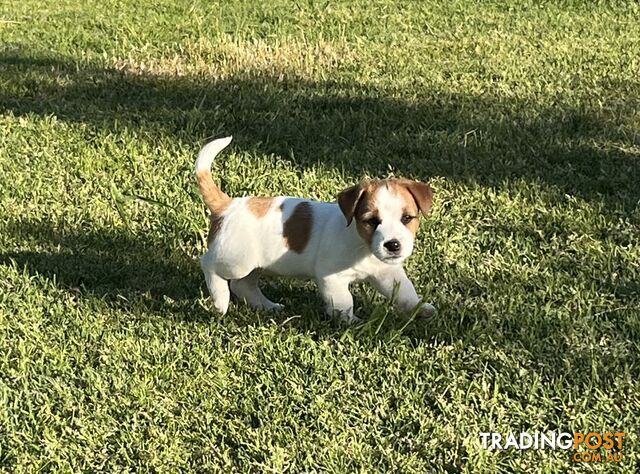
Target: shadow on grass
[(129, 272), (482, 139), (110, 266), (138, 275), (359, 129)]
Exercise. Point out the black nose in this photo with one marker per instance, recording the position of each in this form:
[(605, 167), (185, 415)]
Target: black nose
[(392, 245)]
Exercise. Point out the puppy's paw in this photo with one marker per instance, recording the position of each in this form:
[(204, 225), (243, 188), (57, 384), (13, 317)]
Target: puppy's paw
[(273, 307), (427, 310), (350, 320), (347, 317), (220, 307)]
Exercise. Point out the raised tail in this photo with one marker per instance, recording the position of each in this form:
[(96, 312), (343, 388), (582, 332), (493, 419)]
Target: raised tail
[(215, 199)]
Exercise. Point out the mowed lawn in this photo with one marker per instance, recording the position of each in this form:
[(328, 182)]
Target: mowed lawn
[(523, 116)]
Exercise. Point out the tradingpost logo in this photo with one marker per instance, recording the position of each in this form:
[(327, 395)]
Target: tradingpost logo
[(591, 447)]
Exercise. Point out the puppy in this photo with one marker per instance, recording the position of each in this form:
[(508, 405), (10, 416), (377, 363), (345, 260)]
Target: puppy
[(366, 235)]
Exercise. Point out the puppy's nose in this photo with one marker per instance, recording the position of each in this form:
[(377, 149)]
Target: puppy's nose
[(392, 245)]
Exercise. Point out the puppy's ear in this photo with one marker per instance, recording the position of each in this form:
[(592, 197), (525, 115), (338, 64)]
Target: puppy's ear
[(422, 194), (348, 201)]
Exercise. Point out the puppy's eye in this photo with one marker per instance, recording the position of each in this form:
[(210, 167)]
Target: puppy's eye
[(373, 222), (407, 218)]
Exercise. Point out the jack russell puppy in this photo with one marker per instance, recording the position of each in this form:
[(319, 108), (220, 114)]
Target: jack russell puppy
[(366, 235)]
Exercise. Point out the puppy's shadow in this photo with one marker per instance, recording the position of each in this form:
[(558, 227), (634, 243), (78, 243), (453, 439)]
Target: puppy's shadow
[(130, 272), (304, 312)]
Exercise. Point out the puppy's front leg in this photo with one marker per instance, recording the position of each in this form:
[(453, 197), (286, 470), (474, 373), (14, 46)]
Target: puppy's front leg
[(337, 297), (406, 298)]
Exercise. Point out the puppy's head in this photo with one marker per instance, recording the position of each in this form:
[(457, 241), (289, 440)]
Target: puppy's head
[(386, 214)]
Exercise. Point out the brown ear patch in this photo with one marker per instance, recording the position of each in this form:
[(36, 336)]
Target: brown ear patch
[(297, 228), (349, 198), (421, 193), (259, 206), (367, 209)]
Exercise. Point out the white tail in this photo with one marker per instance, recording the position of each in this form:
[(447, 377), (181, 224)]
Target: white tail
[(209, 153)]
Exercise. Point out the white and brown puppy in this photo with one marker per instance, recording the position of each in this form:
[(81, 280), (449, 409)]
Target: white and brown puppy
[(366, 235)]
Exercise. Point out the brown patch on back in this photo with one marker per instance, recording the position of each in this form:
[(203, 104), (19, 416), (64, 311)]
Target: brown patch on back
[(297, 228), (259, 206)]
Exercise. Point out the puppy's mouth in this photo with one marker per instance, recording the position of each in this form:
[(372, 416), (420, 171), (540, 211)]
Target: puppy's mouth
[(392, 259)]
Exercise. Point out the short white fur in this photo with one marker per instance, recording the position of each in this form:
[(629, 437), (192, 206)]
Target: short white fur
[(335, 255)]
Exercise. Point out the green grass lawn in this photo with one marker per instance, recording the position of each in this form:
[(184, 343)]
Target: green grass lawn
[(524, 116)]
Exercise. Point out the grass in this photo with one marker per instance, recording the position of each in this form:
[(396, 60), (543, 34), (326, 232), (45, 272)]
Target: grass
[(523, 117)]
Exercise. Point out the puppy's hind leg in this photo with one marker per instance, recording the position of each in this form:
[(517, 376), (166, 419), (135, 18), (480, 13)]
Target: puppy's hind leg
[(218, 286), (247, 290)]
